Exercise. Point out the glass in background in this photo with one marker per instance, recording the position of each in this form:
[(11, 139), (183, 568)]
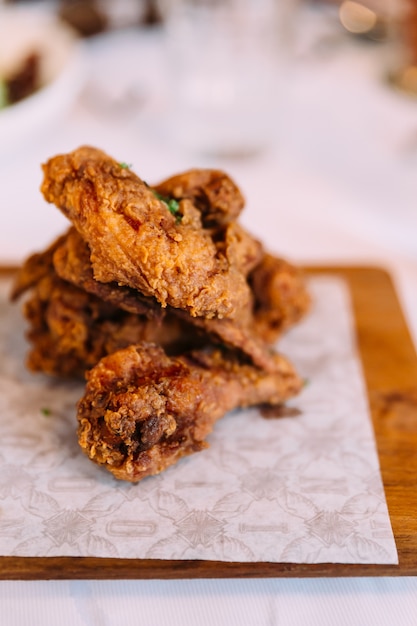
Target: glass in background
[(227, 67)]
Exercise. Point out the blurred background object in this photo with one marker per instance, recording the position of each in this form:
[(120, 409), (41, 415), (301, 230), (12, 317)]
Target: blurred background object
[(90, 17), (366, 18), (391, 22), (86, 17), (227, 61), (41, 72), (404, 73)]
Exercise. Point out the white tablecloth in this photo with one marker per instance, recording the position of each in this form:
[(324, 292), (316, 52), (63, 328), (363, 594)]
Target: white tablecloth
[(337, 185)]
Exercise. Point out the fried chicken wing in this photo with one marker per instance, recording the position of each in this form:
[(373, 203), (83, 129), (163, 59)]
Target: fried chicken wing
[(256, 326), (61, 279), (142, 411), (137, 242), (70, 329), (71, 262)]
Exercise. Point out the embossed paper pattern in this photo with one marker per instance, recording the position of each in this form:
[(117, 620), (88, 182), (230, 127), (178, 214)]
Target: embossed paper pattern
[(304, 487)]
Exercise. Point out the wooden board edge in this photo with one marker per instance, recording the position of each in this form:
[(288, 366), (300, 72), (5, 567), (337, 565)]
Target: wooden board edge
[(79, 568), (393, 404)]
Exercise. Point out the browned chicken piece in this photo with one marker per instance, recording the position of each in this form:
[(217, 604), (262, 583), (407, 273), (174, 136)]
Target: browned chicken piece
[(279, 293), (62, 319), (71, 261), (281, 298), (103, 326), (34, 269), (70, 330), (213, 192), (142, 411), (249, 333), (136, 241), (239, 247)]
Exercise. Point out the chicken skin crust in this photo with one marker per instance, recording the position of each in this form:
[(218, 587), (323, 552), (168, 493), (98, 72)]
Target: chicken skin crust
[(74, 320), (143, 411), (213, 192), (136, 241)]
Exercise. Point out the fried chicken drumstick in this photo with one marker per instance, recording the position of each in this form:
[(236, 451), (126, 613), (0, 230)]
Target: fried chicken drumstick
[(142, 411), (135, 239)]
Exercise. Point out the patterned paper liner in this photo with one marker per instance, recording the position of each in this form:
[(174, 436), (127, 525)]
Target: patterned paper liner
[(301, 488)]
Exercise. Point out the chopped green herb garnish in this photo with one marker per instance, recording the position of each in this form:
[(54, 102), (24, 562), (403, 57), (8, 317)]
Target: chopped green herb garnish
[(45, 411), (125, 166), (172, 205), (4, 100)]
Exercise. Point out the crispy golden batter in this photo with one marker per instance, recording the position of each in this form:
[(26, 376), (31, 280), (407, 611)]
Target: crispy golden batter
[(136, 241), (71, 261), (212, 191), (281, 298), (143, 411), (35, 268), (70, 330), (65, 294)]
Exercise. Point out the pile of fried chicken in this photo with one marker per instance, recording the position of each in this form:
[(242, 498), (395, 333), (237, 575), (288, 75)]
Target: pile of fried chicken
[(163, 301)]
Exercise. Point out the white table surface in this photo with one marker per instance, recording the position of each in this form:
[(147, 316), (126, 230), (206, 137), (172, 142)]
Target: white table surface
[(338, 185)]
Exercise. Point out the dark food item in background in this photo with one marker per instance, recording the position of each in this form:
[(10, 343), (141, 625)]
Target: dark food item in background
[(25, 81), (92, 17), (83, 16), (151, 14)]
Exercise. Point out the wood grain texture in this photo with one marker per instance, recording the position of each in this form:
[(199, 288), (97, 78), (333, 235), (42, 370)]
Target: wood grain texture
[(390, 368)]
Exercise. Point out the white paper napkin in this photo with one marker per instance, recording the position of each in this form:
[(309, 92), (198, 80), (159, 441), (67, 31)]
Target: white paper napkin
[(304, 488)]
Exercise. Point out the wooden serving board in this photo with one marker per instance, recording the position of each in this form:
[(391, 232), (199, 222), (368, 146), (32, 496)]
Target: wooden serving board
[(390, 367)]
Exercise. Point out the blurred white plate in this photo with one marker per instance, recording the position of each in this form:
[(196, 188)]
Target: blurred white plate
[(24, 30)]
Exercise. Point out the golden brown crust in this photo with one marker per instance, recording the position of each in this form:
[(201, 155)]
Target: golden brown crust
[(213, 192), (71, 262), (142, 411), (281, 298), (70, 330), (65, 294), (34, 269), (134, 239)]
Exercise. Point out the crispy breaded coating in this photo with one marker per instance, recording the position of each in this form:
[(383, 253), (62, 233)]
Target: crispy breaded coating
[(142, 411), (35, 267), (71, 262), (281, 297), (279, 300), (136, 241), (70, 329), (213, 192)]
